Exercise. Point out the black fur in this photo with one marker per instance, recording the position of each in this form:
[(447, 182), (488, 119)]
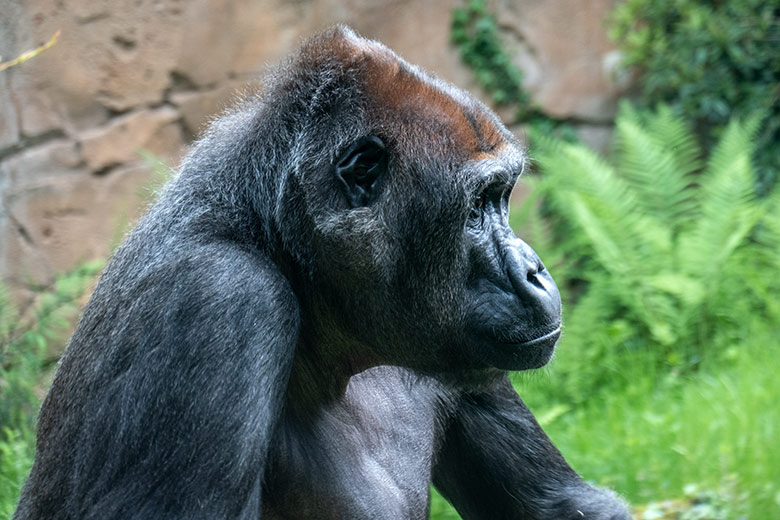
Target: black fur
[(314, 320)]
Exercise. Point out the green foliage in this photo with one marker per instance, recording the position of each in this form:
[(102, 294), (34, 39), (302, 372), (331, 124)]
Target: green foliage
[(699, 446), (710, 61), (441, 509), (663, 385), (670, 256), (475, 32), (696, 447), (17, 449), (25, 339)]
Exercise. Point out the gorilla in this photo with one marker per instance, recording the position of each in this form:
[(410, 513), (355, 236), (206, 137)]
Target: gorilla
[(315, 320)]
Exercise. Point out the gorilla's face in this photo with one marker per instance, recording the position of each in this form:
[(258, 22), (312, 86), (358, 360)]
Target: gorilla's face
[(512, 306), (416, 260), (424, 267), (468, 285)]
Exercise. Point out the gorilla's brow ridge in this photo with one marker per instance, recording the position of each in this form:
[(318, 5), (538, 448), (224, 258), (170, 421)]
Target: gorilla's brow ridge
[(504, 168)]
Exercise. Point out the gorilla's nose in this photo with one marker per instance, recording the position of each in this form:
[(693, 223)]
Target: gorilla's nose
[(532, 282)]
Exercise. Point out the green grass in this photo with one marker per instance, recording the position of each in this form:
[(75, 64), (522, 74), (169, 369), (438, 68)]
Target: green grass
[(717, 430), (718, 425)]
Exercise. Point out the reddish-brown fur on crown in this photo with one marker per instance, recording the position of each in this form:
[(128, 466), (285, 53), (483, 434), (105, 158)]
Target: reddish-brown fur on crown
[(411, 104)]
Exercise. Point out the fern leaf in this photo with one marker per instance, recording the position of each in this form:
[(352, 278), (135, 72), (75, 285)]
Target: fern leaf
[(581, 181), (672, 134), (656, 155), (612, 257), (729, 211)]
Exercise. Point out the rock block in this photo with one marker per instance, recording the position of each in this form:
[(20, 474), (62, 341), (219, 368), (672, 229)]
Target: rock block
[(51, 227), (120, 141), (563, 50), (39, 164), (9, 121), (198, 107)]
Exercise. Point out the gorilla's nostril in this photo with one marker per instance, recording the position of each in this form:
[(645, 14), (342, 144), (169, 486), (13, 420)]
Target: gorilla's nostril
[(533, 279)]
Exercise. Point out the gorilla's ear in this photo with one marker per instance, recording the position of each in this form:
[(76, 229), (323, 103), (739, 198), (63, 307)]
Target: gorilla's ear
[(359, 167)]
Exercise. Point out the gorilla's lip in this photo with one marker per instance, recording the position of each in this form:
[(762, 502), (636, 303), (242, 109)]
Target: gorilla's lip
[(539, 341), (520, 355), (544, 338)]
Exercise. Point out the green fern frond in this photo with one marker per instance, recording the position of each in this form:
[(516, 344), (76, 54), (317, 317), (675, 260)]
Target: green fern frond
[(586, 183), (729, 208), (611, 254), (579, 170), (758, 267), (768, 234), (737, 139), (526, 222), (543, 142), (675, 258), (656, 155), (673, 135)]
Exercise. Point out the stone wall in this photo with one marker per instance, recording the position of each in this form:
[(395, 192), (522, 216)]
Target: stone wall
[(130, 75)]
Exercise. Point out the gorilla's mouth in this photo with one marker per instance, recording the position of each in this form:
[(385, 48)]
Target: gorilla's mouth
[(551, 337), (533, 353), (519, 355)]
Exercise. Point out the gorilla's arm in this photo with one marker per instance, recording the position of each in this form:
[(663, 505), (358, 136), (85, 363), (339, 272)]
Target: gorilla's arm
[(171, 414), (496, 462)]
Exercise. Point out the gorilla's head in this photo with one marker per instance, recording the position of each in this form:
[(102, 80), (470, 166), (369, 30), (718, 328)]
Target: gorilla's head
[(396, 207)]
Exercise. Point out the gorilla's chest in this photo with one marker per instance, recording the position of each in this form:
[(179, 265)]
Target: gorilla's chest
[(366, 456)]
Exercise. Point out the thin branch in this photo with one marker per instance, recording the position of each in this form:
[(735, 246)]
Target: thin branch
[(30, 54)]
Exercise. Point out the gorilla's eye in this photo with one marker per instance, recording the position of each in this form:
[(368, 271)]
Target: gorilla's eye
[(477, 213)]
